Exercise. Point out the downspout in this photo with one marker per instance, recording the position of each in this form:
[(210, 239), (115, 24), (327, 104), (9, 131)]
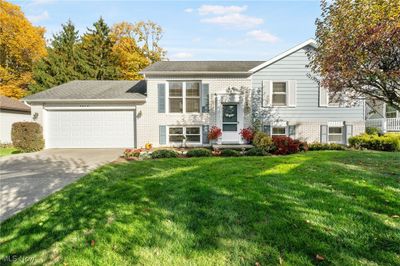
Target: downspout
[(134, 129)]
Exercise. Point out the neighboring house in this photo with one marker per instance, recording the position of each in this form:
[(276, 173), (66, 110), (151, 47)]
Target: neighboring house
[(383, 116), (180, 100), (11, 111)]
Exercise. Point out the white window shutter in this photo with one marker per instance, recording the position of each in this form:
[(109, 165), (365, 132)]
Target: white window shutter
[(323, 96), (266, 93), (292, 93)]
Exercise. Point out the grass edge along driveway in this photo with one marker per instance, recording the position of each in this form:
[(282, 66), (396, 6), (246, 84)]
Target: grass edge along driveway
[(332, 207)]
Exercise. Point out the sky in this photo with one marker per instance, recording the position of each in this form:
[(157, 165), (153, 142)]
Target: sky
[(194, 30)]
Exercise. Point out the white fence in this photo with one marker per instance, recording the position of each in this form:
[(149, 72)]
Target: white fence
[(386, 124)]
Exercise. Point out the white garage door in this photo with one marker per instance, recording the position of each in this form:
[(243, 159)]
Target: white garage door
[(89, 129)]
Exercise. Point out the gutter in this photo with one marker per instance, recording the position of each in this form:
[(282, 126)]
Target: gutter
[(192, 72), (82, 100)]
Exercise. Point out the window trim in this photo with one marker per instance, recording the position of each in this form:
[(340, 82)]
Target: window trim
[(336, 134), (184, 128), (286, 93), (394, 111), (184, 97), (272, 131)]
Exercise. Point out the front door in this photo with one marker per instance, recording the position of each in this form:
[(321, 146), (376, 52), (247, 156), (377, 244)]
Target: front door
[(230, 128)]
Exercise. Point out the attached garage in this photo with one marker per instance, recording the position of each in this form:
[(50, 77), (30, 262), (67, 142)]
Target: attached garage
[(90, 129), (89, 114)]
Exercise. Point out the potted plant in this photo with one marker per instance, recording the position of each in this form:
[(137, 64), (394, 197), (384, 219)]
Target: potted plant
[(247, 135), (214, 134)]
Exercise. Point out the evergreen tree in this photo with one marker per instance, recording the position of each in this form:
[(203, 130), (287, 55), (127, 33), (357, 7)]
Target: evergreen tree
[(63, 63), (97, 47)]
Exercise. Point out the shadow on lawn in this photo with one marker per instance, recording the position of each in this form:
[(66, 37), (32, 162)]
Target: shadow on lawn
[(250, 215)]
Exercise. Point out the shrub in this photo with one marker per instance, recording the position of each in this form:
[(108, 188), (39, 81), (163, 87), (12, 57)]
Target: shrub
[(303, 145), (247, 134), (158, 154), (325, 146), (27, 136), (387, 142), (132, 153), (263, 141), (214, 133), (199, 153), (230, 153), (256, 152), (285, 145), (373, 131)]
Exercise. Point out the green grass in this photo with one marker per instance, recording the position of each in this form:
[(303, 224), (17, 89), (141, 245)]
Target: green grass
[(341, 205), (8, 151)]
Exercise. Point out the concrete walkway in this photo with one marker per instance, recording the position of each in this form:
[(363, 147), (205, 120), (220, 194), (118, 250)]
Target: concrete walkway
[(28, 178)]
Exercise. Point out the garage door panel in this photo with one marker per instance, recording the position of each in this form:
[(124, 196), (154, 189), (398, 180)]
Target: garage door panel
[(89, 129)]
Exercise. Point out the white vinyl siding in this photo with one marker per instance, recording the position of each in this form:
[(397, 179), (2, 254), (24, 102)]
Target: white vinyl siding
[(307, 107)]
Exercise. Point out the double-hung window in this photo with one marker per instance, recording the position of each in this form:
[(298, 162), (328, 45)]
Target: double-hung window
[(184, 97), (178, 134), (390, 112), (278, 131), (176, 97), (335, 135), (279, 92)]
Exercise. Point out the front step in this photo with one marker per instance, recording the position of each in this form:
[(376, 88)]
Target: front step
[(232, 146)]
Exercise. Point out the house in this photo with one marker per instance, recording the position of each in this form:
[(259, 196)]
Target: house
[(382, 116), (178, 101), (11, 111)]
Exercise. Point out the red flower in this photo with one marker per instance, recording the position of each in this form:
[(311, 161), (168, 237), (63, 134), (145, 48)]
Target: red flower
[(214, 133), (247, 134)]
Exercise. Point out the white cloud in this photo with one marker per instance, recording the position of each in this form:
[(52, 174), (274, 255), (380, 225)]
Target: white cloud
[(262, 36), (182, 55), (188, 10), (36, 18), (220, 10), (234, 20)]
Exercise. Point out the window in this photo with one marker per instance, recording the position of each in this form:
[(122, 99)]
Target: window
[(279, 131), (335, 135), (279, 93), (178, 134), (390, 112), (192, 97), (176, 97), (184, 97)]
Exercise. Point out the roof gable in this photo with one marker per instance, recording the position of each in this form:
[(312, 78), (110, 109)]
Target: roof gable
[(310, 42)]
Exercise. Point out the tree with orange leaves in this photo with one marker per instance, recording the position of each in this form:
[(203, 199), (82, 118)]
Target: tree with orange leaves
[(21, 45)]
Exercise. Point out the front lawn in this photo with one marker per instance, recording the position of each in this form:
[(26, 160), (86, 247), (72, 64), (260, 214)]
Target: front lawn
[(329, 207), (8, 151)]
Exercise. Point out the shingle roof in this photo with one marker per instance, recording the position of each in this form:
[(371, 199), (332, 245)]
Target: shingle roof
[(12, 104), (202, 66), (94, 90)]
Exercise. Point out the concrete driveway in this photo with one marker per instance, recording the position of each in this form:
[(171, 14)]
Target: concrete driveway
[(28, 178)]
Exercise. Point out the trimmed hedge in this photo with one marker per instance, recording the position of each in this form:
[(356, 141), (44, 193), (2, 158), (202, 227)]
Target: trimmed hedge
[(230, 153), (201, 152), (158, 154), (27, 136), (325, 146), (387, 142), (256, 152)]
